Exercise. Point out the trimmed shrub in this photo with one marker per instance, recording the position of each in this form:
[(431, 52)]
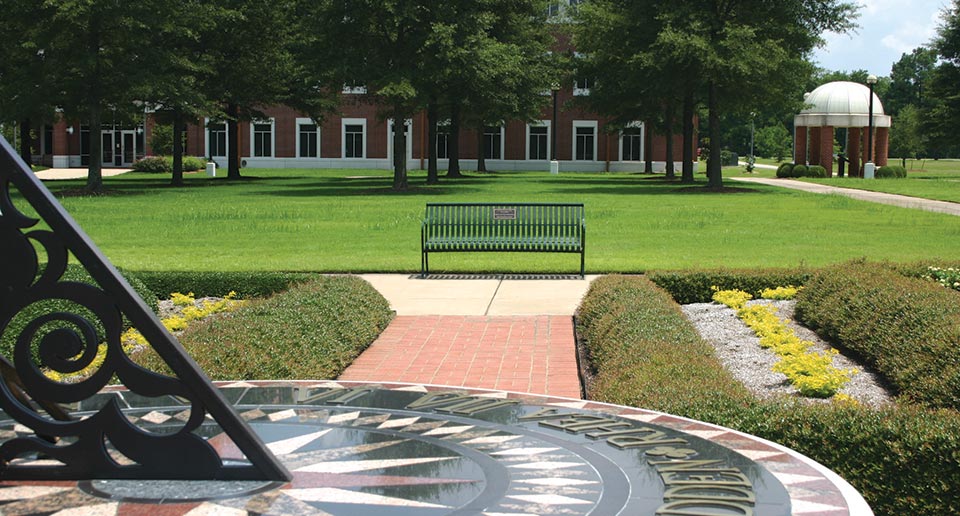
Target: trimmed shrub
[(903, 459), (908, 329), (216, 283), (785, 170), (695, 286), (311, 331), (74, 273), (816, 171), (191, 163), (798, 171), (891, 172), (151, 164)]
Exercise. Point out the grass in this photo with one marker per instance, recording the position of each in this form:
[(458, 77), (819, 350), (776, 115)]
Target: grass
[(350, 221)]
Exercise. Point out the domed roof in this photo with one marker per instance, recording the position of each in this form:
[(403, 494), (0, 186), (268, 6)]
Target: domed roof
[(841, 104)]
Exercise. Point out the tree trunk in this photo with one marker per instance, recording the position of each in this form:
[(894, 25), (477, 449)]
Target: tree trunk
[(648, 148), (453, 142), (233, 134), (481, 155), (25, 153), (177, 178), (432, 176), (95, 167), (399, 152), (714, 174), (688, 142), (668, 124)]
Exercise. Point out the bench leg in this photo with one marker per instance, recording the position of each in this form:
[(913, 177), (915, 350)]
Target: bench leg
[(424, 265), (581, 265)]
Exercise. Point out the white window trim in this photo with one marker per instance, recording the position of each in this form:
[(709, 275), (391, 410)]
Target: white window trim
[(643, 149), (540, 123), (344, 122), (409, 124), (296, 131), (584, 123), (206, 137), (502, 141), (273, 136), (354, 90)]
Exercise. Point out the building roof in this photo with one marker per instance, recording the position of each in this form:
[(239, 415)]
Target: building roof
[(841, 104)]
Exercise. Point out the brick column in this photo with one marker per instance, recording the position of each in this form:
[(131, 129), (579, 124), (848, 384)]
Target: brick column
[(883, 145), (826, 149), (800, 145), (814, 157), (853, 151), (60, 150)]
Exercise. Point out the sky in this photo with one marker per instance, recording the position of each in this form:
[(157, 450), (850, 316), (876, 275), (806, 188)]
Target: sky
[(888, 29)]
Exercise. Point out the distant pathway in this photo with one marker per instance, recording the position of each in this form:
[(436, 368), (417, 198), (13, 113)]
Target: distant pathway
[(522, 354), (902, 201)]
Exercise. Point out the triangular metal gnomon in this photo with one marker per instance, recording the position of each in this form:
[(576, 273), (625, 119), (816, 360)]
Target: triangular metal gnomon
[(67, 342)]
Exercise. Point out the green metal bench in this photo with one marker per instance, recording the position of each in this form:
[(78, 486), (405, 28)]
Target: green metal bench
[(506, 227)]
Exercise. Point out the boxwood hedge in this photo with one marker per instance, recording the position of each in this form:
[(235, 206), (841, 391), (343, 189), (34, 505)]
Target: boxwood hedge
[(313, 330), (695, 286), (903, 459), (908, 329), (216, 283)]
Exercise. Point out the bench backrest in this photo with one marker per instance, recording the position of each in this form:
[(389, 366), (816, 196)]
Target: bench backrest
[(511, 220)]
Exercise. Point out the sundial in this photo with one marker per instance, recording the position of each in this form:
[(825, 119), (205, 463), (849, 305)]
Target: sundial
[(357, 449)]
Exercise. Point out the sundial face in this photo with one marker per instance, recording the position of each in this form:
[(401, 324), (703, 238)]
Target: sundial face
[(409, 450)]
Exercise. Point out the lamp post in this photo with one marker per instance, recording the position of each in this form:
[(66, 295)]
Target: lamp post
[(868, 167), (554, 164), (752, 159)]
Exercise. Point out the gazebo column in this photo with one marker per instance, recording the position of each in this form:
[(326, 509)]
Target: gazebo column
[(883, 145), (826, 149), (815, 145), (853, 151), (800, 145)]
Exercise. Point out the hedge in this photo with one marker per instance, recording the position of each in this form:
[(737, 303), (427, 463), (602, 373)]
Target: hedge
[(215, 284), (785, 170), (313, 330), (903, 459), (75, 273), (695, 286), (891, 172), (908, 329)]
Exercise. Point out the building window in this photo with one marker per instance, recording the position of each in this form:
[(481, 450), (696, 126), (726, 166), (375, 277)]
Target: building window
[(46, 144), (216, 139), (443, 137), (581, 87), (538, 142), (631, 144), (354, 89), (263, 140), (308, 138), (492, 142), (585, 141), (354, 136)]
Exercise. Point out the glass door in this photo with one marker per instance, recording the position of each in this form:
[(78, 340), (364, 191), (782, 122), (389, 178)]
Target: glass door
[(128, 147), (106, 151)]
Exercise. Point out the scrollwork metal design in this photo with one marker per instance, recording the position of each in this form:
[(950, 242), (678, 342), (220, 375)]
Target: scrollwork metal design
[(70, 341)]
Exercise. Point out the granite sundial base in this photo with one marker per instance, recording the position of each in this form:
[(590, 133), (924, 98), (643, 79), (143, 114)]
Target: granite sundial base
[(392, 449)]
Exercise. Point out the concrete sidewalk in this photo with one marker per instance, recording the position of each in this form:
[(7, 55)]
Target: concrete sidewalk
[(480, 295), (53, 174), (902, 201)]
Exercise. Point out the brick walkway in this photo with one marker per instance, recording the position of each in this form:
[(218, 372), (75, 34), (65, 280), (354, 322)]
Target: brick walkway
[(534, 354)]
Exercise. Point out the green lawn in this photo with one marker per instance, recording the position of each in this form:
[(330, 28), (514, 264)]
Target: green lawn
[(350, 221)]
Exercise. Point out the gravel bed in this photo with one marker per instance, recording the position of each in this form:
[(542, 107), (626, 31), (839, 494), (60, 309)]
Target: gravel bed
[(738, 348)]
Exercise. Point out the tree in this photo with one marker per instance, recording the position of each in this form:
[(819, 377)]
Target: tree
[(27, 91), (251, 64), (906, 134), (943, 108), (908, 80), (773, 141), (746, 52), (98, 51)]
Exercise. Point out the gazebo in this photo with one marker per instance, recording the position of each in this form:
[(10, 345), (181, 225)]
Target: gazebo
[(835, 105)]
